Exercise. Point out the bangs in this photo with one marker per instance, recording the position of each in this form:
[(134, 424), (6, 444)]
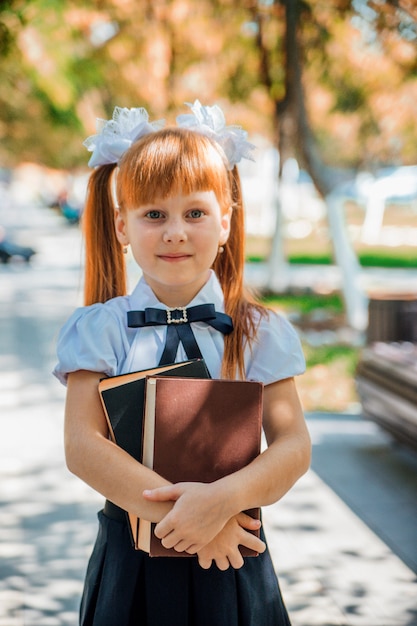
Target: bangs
[(171, 161)]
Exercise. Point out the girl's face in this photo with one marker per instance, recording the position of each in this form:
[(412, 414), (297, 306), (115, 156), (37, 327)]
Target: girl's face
[(175, 241)]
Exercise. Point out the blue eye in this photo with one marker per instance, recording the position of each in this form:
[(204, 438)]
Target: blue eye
[(196, 213), (154, 214)]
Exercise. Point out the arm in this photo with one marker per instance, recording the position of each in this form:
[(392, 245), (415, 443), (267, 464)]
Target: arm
[(94, 458), (288, 455), (201, 511)]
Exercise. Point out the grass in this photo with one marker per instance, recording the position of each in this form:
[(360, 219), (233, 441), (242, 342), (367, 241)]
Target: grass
[(329, 355), (372, 258), (306, 303), (383, 258), (328, 383)]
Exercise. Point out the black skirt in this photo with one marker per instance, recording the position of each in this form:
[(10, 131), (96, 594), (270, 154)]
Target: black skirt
[(125, 587)]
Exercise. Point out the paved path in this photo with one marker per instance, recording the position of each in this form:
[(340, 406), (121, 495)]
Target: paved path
[(340, 538), (344, 540)]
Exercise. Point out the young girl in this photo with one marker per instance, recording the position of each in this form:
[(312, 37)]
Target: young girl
[(173, 195)]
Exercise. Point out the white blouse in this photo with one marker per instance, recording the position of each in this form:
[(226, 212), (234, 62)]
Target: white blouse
[(97, 338)]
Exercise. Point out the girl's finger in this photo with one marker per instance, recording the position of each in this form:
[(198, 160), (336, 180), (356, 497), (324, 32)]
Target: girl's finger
[(253, 543), (184, 546), (248, 522), (161, 494), (222, 563), (204, 562), (236, 559), (164, 532)]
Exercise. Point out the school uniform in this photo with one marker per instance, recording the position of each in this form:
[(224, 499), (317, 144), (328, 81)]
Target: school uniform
[(125, 587)]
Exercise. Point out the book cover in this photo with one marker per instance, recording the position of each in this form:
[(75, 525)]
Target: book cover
[(199, 430), (122, 398)]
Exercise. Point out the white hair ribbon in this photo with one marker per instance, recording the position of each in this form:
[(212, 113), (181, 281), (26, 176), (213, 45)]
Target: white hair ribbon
[(115, 136), (210, 121)]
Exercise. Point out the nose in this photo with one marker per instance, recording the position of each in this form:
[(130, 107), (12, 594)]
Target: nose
[(175, 231)]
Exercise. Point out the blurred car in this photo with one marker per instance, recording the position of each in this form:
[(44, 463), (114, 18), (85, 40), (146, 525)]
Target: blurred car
[(9, 249)]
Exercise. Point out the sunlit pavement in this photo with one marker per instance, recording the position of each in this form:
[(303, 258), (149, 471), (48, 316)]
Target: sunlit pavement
[(344, 540)]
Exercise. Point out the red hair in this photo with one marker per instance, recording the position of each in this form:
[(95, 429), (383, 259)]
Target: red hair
[(167, 161)]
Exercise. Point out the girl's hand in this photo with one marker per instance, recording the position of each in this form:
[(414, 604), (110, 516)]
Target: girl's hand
[(200, 512), (224, 549)]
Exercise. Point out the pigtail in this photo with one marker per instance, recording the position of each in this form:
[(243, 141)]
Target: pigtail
[(105, 270), (239, 304), (229, 265)]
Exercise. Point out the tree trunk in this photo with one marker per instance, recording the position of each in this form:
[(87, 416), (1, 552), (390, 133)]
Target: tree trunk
[(277, 273), (295, 133)]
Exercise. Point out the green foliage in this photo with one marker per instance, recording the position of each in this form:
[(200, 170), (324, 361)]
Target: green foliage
[(164, 53), (6, 40), (329, 355), (62, 117), (349, 97), (11, 18), (306, 302)]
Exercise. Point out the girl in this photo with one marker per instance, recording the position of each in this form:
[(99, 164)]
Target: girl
[(174, 196)]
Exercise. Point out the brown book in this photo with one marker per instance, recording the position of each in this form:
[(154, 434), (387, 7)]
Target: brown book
[(199, 430), (122, 398)]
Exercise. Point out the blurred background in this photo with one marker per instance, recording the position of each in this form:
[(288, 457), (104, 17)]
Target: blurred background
[(328, 93)]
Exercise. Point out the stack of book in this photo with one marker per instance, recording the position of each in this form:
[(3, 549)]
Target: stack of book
[(184, 425)]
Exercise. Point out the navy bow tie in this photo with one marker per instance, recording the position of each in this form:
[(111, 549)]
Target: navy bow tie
[(178, 321)]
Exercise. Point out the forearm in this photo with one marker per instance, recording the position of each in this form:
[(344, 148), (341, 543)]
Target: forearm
[(94, 458), (268, 478), (109, 470)]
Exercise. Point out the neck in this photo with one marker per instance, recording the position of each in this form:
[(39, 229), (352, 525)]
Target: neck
[(177, 296)]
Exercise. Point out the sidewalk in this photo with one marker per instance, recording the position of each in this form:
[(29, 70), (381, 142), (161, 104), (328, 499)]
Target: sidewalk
[(334, 571), (334, 567)]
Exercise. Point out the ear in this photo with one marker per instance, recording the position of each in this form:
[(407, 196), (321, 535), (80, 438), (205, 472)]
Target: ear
[(120, 226), (225, 226)]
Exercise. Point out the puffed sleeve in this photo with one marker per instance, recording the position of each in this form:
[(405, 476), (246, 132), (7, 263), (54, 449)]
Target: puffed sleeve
[(276, 353), (92, 339)]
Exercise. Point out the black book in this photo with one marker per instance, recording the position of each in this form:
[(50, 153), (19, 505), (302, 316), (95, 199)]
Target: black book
[(123, 399)]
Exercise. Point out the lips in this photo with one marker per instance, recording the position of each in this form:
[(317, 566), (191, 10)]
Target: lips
[(172, 258)]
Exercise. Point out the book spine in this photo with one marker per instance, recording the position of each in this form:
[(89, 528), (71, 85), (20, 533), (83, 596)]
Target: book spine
[(145, 527)]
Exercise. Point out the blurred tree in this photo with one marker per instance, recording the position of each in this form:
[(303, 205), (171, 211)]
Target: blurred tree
[(351, 66), (344, 65), (65, 62)]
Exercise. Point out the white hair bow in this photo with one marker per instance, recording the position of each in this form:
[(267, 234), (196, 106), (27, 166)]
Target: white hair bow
[(115, 136), (210, 121)]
